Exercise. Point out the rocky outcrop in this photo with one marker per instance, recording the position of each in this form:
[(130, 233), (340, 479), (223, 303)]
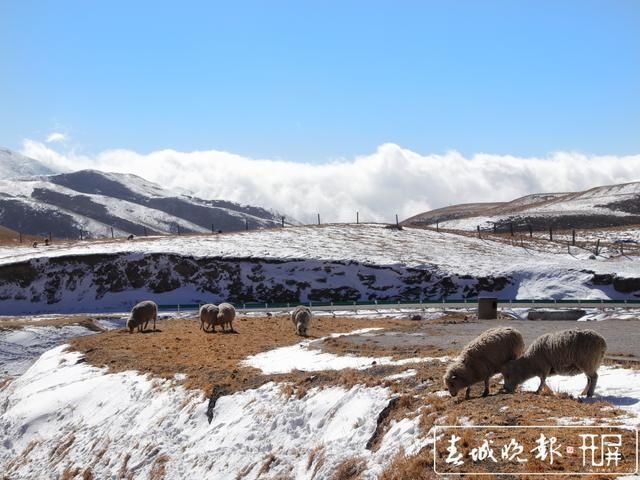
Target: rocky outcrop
[(105, 281)]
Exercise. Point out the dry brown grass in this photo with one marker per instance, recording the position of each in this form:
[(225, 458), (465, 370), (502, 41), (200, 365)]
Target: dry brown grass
[(158, 467), (62, 448), (266, 464), (415, 467), (349, 469), (207, 359)]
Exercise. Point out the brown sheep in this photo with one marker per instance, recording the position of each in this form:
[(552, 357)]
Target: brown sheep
[(482, 358), (141, 314), (568, 352), (301, 318)]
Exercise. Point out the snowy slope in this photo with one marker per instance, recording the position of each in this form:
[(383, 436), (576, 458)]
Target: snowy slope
[(329, 263), (59, 402), (58, 416), (14, 165), (601, 206)]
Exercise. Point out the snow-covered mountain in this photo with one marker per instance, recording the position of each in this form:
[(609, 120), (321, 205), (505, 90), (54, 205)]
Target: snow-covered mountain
[(606, 206), (15, 165), (90, 203)]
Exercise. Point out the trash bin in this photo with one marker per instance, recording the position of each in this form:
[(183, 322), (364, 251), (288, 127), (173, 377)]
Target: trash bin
[(487, 308)]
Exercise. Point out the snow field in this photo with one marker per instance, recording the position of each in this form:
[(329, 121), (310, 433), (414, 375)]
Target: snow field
[(143, 421)]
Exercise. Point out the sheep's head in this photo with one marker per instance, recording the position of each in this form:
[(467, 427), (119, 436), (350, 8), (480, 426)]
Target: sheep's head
[(301, 329), (455, 380), (512, 376)]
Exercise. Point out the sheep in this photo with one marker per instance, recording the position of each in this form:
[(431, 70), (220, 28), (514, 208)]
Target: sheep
[(208, 316), (226, 314), (141, 314), (301, 318), (567, 352), (482, 358)]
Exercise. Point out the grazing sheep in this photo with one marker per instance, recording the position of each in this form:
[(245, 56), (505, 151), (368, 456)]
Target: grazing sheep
[(301, 318), (568, 352), (226, 314), (130, 237), (208, 316), (482, 358), (141, 314)]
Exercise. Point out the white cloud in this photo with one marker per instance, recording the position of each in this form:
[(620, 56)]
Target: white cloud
[(56, 137), (391, 180)]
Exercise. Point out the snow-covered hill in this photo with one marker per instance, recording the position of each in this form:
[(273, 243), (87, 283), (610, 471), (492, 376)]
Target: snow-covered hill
[(14, 165), (611, 205), (67, 419), (90, 203), (329, 263)]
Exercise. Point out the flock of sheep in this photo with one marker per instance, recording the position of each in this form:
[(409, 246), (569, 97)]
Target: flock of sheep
[(501, 350), (498, 350), (211, 316)]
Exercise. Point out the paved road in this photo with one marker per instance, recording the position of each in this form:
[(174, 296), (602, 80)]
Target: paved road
[(623, 336)]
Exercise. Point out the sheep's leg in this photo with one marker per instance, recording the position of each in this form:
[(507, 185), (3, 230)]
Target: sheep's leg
[(155, 317), (543, 384), (591, 384), (486, 388), (467, 395), (146, 324), (586, 387)]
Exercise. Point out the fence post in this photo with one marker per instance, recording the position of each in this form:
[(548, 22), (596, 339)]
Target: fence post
[(145, 230), (20, 234), (357, 218), (478, 227), (246, 224), (213, 228), (318, 219), (495, 228), (283, 221), (573, 237), (551, 234), (511, 228), (437, 227), (597, 247), (530, 231), (80, 234), (397, 222), (112, 234)]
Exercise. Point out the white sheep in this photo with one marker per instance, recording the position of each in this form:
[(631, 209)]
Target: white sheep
[(226, 314), (208, 316), (301, 317), (482, 358), (141, 314), (567, 352)]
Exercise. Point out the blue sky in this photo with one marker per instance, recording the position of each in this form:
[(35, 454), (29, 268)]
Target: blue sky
[(314, 81)]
